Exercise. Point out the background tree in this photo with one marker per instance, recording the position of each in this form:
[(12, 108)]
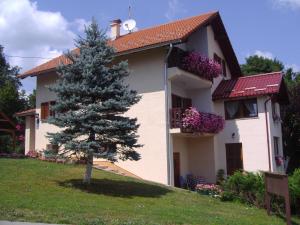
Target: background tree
[(11, 99), (91, 101), (290, 113), (257, 64)]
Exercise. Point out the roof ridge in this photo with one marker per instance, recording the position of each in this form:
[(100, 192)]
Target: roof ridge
[(175, 21), (260, 74)]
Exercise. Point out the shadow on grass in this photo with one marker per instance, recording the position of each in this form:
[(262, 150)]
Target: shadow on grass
[(117, 188), (284, 219)]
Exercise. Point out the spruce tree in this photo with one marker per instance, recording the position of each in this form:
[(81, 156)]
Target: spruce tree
[(92, 97)]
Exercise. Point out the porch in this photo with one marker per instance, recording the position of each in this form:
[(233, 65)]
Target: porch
[(193, 156)]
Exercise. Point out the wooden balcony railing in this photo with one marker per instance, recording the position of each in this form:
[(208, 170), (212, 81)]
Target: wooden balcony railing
[(176, 117)]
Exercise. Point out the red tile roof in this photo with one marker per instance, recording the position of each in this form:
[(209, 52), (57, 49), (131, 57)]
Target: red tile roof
[(255, 85), (26, 113), (162, 34)]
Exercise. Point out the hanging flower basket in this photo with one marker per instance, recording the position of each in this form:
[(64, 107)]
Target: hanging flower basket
[(201, 65), (201, 122)]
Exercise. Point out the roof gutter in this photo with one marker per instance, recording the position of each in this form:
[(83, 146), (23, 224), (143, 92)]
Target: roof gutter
[(168, 140), (177, 41), (267, 130)]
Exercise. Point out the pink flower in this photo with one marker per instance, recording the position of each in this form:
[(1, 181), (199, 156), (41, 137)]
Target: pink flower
[(202, 122), (18, 127), (201, 65)]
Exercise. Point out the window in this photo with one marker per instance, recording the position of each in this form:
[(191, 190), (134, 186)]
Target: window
[(275, 113), (224, 68), (276, 145), (222, 64), (245, 108), (44, 110), (180, 102)]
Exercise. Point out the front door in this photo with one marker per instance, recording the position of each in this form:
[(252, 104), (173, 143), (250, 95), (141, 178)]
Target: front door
[(234, 157), (176, 164)]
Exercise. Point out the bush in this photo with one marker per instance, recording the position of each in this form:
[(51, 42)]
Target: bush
[(294, 187), (249, 188), (246, 187)]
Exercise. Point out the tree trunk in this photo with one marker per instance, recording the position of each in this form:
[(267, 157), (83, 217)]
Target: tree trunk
[(89, 167)]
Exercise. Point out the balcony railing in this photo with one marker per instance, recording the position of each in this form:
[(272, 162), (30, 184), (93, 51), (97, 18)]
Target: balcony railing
[(192, 121), (194, 62)]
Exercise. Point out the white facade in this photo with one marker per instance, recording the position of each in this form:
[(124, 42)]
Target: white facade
[(201, 155)]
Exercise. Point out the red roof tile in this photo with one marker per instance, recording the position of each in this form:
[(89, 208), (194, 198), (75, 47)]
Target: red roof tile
[(162, 34), (25, 113), (255, 85)]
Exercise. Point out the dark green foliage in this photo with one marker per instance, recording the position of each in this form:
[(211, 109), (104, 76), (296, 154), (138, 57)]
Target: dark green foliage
[(258, 64), (220, 176), (294, 185), (31, 100), (246, 187), (249, 188), (92, 98), (11, 100)]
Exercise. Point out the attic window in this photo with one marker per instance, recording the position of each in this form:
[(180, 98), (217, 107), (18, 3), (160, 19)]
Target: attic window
[(222, 63)]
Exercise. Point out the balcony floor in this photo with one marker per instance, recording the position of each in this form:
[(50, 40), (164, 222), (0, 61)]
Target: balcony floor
[(176, 132)]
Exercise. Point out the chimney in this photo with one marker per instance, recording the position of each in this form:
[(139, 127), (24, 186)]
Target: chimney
[(115, 26)]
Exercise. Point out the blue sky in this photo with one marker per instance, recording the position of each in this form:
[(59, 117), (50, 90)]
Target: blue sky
[(265, 27)]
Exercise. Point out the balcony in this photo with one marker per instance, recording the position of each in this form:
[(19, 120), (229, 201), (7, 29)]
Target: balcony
[(192, 122), (193, 63)]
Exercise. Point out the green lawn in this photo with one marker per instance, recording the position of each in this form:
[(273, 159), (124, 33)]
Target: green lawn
[(32, 190)]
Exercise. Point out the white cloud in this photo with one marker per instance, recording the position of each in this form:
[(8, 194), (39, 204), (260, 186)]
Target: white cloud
[(264, 54), (295, 67), (81, 24), (175, 7), (27, 31), (291, 4)]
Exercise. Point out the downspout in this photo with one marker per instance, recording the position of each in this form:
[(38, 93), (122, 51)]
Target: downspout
[(267, 129), (169, 163)]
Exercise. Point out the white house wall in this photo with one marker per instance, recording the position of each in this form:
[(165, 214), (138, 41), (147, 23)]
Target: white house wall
[(250, 132), (44, 95)]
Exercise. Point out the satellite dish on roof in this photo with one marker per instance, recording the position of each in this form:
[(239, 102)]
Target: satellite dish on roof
[(129, 25)]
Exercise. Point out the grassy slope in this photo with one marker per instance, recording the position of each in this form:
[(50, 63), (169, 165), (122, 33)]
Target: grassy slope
[(32, 190)]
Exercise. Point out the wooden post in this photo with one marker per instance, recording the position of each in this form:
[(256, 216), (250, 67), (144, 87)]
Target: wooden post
[(278, 184)]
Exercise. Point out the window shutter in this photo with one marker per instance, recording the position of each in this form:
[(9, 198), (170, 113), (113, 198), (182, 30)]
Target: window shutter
[(44, 110)]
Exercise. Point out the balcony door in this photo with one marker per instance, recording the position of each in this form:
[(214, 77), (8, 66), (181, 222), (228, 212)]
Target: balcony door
[(176, 165), (180, 102), (234, 157)]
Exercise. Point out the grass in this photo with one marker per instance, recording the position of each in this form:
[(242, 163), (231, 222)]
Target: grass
[(32, 190)]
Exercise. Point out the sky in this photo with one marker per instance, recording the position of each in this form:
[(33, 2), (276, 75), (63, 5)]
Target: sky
[(44, 29)]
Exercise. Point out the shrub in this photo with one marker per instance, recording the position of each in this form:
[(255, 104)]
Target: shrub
[(294, 187), (246, 187), (220, 176)]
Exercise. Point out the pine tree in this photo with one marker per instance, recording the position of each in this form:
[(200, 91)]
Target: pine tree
[(92, 98)]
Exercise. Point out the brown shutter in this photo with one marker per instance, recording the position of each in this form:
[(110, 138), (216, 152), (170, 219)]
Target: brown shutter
[(44, 110)]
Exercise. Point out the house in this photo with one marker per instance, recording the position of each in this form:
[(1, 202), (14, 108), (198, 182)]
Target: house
[(251, 139)]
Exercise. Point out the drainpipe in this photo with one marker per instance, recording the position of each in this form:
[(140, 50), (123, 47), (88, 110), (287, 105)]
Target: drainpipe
[(267, 129), (169, 156)]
